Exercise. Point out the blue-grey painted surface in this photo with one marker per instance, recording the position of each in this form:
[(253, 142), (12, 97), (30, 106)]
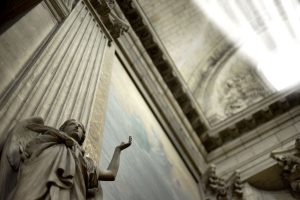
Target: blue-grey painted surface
[(151, 168)]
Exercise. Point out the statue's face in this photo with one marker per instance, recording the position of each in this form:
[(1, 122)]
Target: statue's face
[(74, 129)]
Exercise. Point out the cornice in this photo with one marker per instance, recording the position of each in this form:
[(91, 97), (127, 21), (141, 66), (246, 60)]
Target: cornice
[(164, 64), (250, 119), (230, 129)]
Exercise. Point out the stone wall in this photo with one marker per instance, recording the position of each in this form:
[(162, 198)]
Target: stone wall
[(20, 43)]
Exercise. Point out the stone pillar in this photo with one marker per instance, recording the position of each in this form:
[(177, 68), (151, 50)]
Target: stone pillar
[(63, 81)]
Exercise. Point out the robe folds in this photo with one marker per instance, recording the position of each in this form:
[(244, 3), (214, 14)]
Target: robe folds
[(55, 169)]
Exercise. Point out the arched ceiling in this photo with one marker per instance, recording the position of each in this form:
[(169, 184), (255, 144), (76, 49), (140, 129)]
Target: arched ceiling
[(222, 80), (225, 77)]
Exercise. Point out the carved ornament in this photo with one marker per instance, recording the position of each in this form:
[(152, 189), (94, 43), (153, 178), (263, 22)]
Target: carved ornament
[(289, 161), (222, 189), (115, 25)]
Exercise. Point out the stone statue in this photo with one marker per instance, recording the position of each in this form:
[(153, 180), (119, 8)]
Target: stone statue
[(41, 162)]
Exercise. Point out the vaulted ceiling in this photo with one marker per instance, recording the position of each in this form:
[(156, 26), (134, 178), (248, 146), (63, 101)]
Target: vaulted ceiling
[(221, 78)]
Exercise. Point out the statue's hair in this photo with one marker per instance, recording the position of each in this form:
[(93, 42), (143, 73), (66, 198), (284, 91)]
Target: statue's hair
[(62, 127)]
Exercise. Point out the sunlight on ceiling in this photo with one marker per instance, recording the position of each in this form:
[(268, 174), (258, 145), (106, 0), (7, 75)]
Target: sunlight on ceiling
[(267, 31)]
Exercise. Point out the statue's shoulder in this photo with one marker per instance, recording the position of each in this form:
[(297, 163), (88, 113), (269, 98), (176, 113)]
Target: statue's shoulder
[(24, 125), (20, 136)]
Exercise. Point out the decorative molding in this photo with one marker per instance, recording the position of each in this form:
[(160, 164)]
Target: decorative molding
[(245, 123)]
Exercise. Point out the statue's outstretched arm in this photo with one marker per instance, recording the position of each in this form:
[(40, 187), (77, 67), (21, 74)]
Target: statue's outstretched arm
[(113, 167)]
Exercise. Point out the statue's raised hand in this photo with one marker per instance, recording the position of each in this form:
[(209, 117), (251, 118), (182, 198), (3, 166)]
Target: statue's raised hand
[(124, 145)]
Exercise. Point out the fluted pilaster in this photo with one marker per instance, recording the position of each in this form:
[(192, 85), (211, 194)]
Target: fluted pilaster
[(63, 81)]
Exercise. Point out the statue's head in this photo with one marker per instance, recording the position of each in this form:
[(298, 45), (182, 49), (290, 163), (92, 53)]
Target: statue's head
[(74, 129)]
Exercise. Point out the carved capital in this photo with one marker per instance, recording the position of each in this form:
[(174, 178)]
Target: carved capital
[(289, 161), (237, 186), (221, 189), (114, 24)]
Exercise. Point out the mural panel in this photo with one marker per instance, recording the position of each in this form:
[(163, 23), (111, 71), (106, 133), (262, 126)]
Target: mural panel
[(151, 168)]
